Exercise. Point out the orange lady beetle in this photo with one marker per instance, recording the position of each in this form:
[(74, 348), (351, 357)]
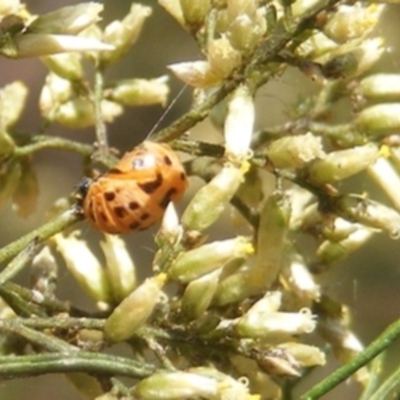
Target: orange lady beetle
[(133, 194)]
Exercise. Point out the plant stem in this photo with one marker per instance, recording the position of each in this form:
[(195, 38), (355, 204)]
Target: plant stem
[(376, 347), (40, 234), (19, 262), (45, 142), (101, 132), (61, 323), (93, 363), (45, 341)]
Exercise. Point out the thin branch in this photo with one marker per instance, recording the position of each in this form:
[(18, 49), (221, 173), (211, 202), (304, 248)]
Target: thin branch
[(43, 340), (101, 132), (40, 142), (12, 367), (67, 218), (19, 262), (61, 323), (390, 334)]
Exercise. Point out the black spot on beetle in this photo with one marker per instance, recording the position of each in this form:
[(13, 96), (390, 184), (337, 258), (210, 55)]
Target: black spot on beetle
[(133, 205), (109, 196), (119, 211), (151, 186), (183, 176), (167, 160), (144, 216), (134, 225)]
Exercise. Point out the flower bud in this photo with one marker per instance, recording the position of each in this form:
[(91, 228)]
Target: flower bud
[(222, 57), (8, 7), (270, 303), (195, 263), (317, 45), (379, 119), (212, 199), (12, 102), (294, 151), (173, 7), (199, 294), (352, 22), (44, 271), (344, 343), (251, 190), (369, 213), (302, 208), (350, 61), (139, 92), (123, 34), (84, 267), (246, 24), (301, 7), (41, 44), (275, 325), (10, 344), (235, 7), (305, 355), (384, 87), (367, 54), (387, 177), (300, 281), (236, 285), (195, 12), (7, 144), (170, 231), (55, 92), (67, 20), (134, 310), (176, 386), (25, 196), (333, 326), (340, 66), (10, 174), (271, 239), (277, 362), (228, 388), (333, 251), (67, 66), (195, 73), (239, 124), (79, 113), (120, 267), (87, 385), (342, 164)]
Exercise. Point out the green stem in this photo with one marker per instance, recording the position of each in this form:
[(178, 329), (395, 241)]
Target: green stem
[(26, 296), (389, 389), (48, 142), (12, 367), (61, 323), (40, 234), (101, 132), (376, 347), (19, 262), (43, 340), (197, 114)]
